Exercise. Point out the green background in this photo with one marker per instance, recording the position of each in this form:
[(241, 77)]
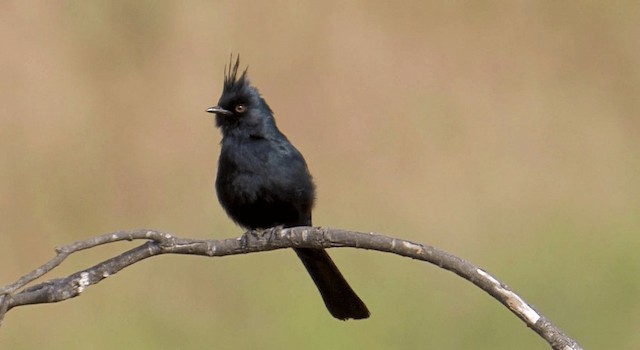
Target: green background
[(504, 132)]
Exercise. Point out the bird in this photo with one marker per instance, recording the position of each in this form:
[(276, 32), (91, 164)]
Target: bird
[(263, 181)]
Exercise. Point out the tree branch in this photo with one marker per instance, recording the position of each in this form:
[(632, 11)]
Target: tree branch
[(157, 242)]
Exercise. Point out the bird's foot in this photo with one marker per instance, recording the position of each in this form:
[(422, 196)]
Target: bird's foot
[(273, 230), (248, 236), (260, 235)]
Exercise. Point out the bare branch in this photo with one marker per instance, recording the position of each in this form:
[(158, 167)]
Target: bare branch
[(158, 242)]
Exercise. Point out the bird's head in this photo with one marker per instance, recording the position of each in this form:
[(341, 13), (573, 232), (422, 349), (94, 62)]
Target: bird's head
[(241, 109)]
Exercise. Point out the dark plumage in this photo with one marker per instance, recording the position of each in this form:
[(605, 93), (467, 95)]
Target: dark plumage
[(263, 181)]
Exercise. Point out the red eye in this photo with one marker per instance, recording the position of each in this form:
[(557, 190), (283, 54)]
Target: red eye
[(240, 108)]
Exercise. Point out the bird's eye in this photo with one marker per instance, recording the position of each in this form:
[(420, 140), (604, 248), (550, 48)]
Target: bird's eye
[(240, 108)]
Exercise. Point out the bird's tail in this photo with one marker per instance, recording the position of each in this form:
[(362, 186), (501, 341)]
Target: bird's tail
[(343, 303)]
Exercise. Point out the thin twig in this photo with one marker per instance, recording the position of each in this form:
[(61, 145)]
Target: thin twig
[(158, 242)]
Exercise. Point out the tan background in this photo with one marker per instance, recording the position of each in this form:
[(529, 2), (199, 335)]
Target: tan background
[(504, 132)]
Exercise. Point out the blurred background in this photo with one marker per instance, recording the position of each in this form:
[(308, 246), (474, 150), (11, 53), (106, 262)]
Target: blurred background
[(503, 132)]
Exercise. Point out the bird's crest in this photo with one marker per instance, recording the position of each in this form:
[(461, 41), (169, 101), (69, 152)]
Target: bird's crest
[(231, 80)]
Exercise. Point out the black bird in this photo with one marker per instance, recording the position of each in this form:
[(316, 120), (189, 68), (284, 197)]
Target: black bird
[(263, 181)]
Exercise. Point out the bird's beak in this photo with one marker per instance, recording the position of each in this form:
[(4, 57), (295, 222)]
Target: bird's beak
[(218, 110)]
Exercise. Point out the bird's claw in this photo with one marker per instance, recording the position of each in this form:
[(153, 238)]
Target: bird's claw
[(274, 231), (259, 234)]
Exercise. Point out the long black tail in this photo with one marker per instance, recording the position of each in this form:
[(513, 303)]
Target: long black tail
[(343, 303)]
